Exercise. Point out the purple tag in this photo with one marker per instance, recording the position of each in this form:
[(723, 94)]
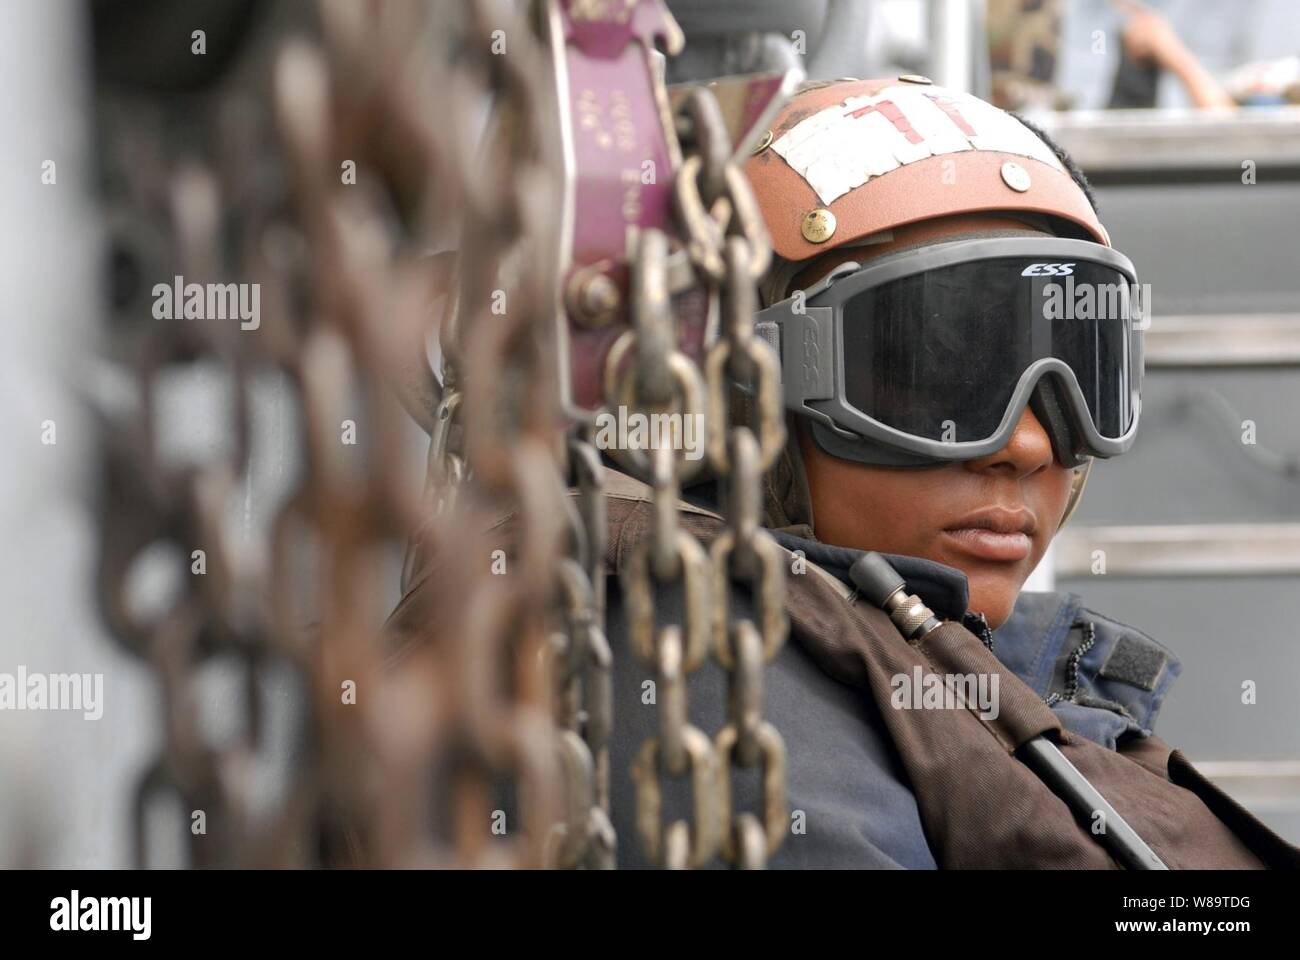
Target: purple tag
[(623, 164)]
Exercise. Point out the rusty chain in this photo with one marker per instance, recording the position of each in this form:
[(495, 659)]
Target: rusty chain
[(583, 667), (727, 243), (506, 692), (397, 89)]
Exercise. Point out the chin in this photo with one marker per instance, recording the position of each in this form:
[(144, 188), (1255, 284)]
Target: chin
[(993, 593)]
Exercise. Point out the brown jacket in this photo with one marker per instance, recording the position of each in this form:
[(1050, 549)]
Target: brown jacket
[(980, 805)]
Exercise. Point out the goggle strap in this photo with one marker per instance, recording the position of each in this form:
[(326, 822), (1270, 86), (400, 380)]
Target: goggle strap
[(1046, 404)]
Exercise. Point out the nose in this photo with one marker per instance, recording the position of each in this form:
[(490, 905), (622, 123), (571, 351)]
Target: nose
[(1028, 451)]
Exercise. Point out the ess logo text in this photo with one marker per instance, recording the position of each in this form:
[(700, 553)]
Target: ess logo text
[(1048, 270)]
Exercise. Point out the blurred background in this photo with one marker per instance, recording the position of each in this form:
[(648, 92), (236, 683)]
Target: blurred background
[(1185, 115)]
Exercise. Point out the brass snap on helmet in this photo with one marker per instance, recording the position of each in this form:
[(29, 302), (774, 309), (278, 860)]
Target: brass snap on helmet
[(930, 353)]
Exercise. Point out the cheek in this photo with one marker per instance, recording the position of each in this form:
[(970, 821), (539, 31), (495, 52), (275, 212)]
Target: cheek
[(1050, 497), (875, 507)]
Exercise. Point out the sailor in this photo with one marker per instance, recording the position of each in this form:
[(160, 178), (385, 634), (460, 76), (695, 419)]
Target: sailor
[(938, 416), (941, 422)]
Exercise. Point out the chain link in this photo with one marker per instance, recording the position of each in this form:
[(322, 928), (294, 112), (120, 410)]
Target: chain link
[(504, 690), (397, 91), (584, 675), (724, 236), (744, 442)]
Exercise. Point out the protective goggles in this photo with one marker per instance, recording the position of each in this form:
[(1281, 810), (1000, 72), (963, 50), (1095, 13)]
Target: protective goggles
[(930, 355)]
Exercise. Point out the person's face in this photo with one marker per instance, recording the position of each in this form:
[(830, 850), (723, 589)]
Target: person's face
[(945, 513), (936, 512)]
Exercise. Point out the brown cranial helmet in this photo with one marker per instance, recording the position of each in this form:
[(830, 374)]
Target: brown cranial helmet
[(848, 162), (879, 154)]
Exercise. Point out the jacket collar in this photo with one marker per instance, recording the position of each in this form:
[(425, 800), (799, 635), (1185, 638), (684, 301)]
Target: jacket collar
[(1104, 679), (1122, 677), (943, 588)]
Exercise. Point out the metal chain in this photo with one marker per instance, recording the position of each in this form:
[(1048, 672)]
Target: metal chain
[(583, 667), (397, 90), (505, 688), (505, 339), (726, 241), (744, 442)]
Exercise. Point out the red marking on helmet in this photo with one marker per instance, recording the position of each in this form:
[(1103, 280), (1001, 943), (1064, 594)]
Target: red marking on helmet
[(889, 110), (948, 106)]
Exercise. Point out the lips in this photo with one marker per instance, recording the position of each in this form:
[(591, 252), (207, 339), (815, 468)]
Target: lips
[(999, 535)]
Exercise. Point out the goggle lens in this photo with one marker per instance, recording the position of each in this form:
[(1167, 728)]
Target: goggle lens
[(939, 354)]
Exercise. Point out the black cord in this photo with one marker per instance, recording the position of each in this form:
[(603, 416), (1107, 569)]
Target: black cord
[(1072, 665), (977, 624)]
